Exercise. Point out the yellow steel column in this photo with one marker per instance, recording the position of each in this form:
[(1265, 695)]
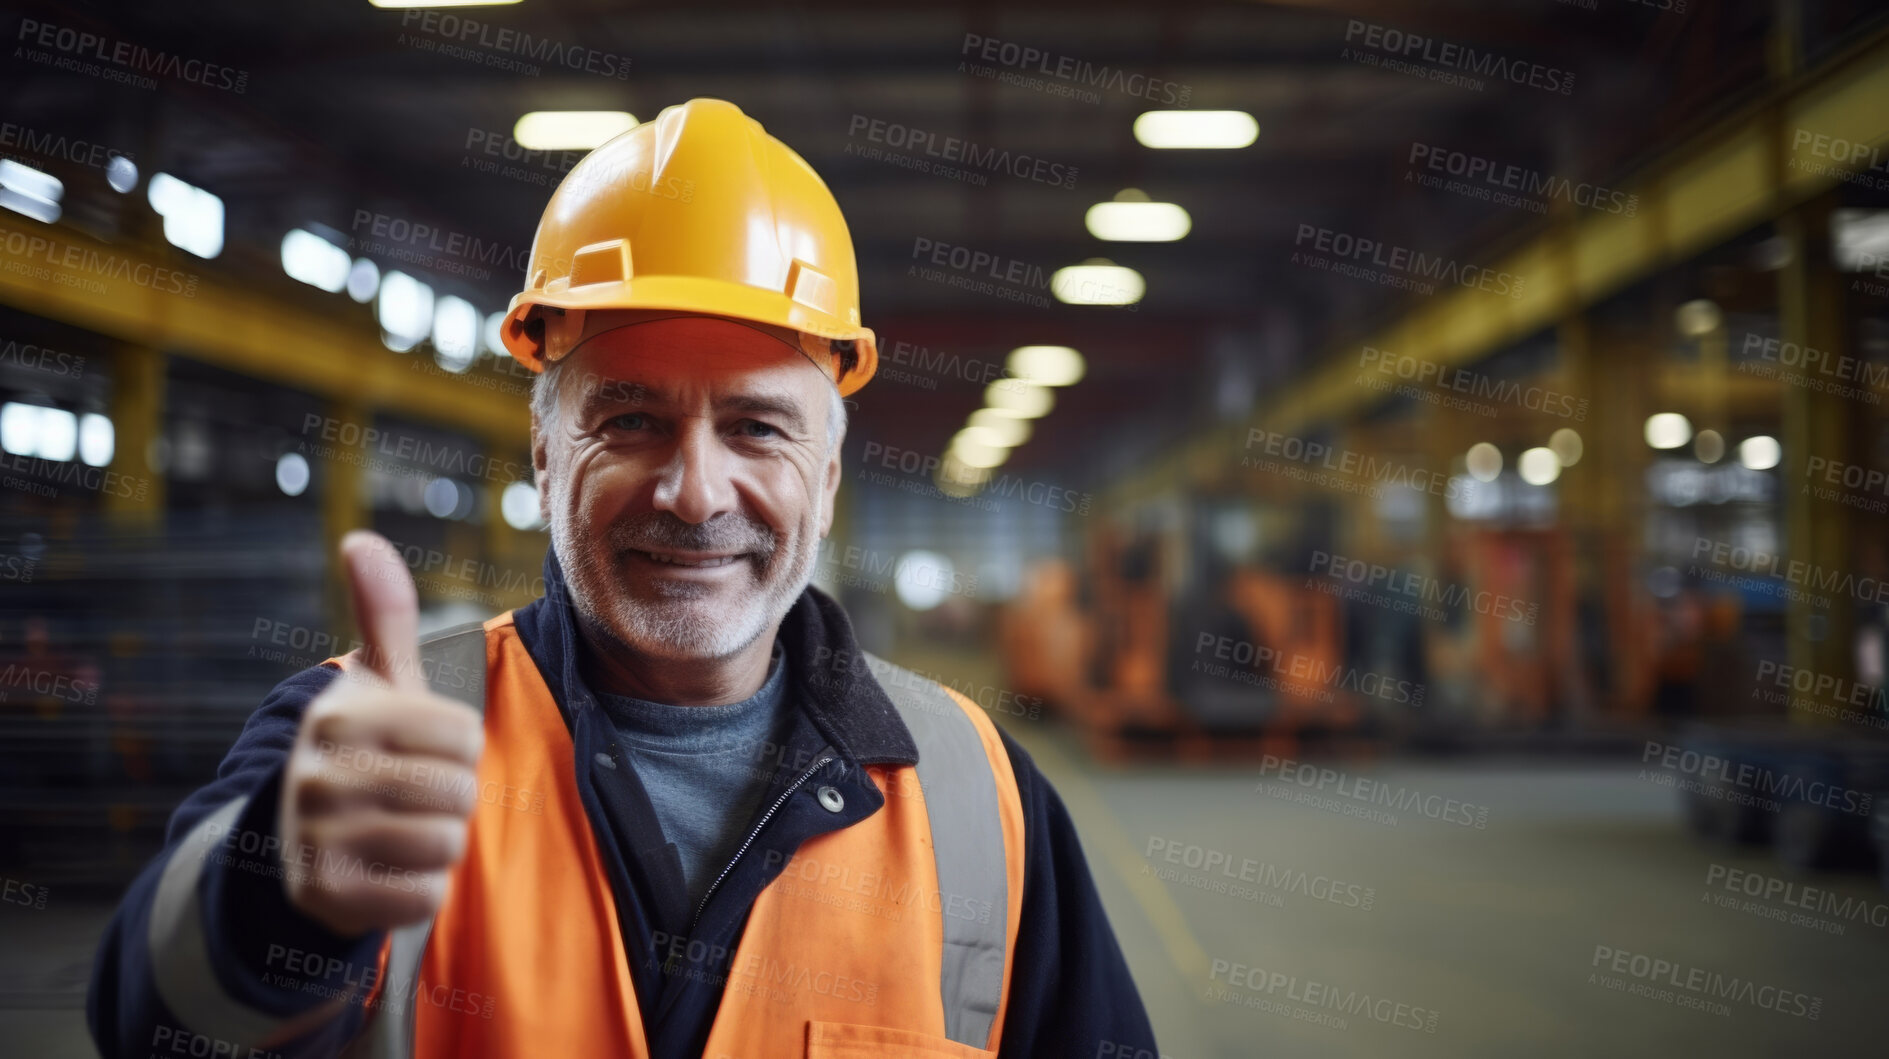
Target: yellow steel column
[(1817, 533), (136, 497), (343, 485)]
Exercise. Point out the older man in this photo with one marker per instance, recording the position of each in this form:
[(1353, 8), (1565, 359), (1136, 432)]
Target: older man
[(669, 809)]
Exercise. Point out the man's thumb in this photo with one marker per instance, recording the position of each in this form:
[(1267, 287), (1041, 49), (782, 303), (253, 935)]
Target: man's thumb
[(385, 606)]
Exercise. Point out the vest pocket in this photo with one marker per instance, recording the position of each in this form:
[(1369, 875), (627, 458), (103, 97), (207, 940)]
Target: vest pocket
[(845, 1040)]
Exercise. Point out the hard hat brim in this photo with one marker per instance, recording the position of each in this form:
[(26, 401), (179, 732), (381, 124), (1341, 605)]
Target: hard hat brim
[(710, 297)]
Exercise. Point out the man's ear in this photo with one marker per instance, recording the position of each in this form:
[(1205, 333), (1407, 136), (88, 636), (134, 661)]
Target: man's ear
[(540, 466), (830, 489)]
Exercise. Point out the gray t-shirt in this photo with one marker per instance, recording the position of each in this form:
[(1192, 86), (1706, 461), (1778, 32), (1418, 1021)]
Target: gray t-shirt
[(706, 768)]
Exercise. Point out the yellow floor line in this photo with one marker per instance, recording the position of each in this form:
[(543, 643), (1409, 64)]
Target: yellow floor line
[(1103, 833)]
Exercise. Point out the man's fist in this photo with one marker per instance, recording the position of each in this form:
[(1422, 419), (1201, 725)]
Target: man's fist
[(382, 782)]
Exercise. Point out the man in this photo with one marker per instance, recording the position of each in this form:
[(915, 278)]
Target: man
[(670, 808)]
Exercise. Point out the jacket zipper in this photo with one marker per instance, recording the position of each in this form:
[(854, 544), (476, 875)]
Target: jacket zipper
[(817, 765)]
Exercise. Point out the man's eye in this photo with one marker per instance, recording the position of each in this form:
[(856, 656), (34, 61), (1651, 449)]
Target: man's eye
[(628, 421), (754, 428)]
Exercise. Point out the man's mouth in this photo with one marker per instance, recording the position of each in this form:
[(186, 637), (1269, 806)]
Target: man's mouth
[(697, 562)]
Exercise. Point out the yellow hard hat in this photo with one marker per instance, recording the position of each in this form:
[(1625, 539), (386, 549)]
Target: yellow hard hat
[(697, 211)]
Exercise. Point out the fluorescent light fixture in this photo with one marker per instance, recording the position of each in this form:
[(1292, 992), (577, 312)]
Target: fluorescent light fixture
[(570, 130), (1016, 397), (1196, 129), (1760, 453), (922, 579), (193, 217), (315, 261), (291, 473), (1701, 316), (1538, 466), (1709, 446), (973, 451), (363, 280), (1859, 239), (122, 174), (1668, 430), (455, 334), (1138, 222), (443, 498), (519, 505), (37, 430), (96, 439), (1566, 446), (28, 191), (405, 311), (1046, 365), (999, 428), (1484, 461), (1097, 281)]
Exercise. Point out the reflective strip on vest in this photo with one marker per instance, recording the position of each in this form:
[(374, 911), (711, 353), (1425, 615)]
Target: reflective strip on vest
[(180, 954), (967, 841), (453, 662)]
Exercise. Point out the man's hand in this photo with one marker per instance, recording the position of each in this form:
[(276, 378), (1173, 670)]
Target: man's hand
[(382, 782)]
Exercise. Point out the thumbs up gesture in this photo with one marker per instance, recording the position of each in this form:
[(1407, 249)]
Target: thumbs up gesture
[(382, 782)]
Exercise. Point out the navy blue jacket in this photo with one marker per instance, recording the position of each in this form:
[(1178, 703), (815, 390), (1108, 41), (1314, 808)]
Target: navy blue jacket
[(1070, 990)]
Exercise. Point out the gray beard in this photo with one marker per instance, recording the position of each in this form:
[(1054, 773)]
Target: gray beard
[(681, 625)]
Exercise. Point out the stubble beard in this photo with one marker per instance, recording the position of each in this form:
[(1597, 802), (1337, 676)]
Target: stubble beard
[(681, 621)]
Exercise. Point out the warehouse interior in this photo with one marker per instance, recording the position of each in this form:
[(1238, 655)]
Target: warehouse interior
[(1444, 491)]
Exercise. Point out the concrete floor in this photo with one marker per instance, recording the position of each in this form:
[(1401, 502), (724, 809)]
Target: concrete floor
[(1493, 929)]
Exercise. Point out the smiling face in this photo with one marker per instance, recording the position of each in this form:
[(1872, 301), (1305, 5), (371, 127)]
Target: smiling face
[(688, 476)]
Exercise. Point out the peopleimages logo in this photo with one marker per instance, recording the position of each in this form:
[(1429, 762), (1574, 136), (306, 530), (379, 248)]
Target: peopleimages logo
[(1511, 185), (968, 153), (1753, 782), (1705, 987), (1360, 256), (459, 30), (1025, 59), (1444, 55), (119, 60)]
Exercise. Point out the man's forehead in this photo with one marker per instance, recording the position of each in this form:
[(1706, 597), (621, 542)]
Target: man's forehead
[(690, 353)]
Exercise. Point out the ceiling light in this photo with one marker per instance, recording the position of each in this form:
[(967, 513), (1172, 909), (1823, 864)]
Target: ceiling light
[(193, 217), (570, 130), (1006, 430), (1668, 430), (1019, 397), (1097, 281), (363, 280), (455, 334), (315, 261), (1760, 453), (1566, 446), (1484, 461), (1538, 466), (973, 451), (1138, 222), (1196, 129), (1046, 365), (405, 310), (26, 190)]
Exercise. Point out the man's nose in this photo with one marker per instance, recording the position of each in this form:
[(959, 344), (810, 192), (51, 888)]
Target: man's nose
[(695, 485)]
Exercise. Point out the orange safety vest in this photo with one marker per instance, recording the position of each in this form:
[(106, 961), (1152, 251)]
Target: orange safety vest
[(894, 936)]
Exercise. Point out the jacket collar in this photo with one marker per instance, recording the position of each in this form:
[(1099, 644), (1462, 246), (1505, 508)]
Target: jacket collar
[(827, 669)]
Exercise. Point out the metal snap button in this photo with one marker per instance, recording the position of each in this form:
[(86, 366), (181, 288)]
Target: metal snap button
[(606, 760), (831, 800)]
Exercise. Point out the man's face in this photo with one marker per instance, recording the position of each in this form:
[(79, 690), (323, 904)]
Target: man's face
[(688, 482)]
